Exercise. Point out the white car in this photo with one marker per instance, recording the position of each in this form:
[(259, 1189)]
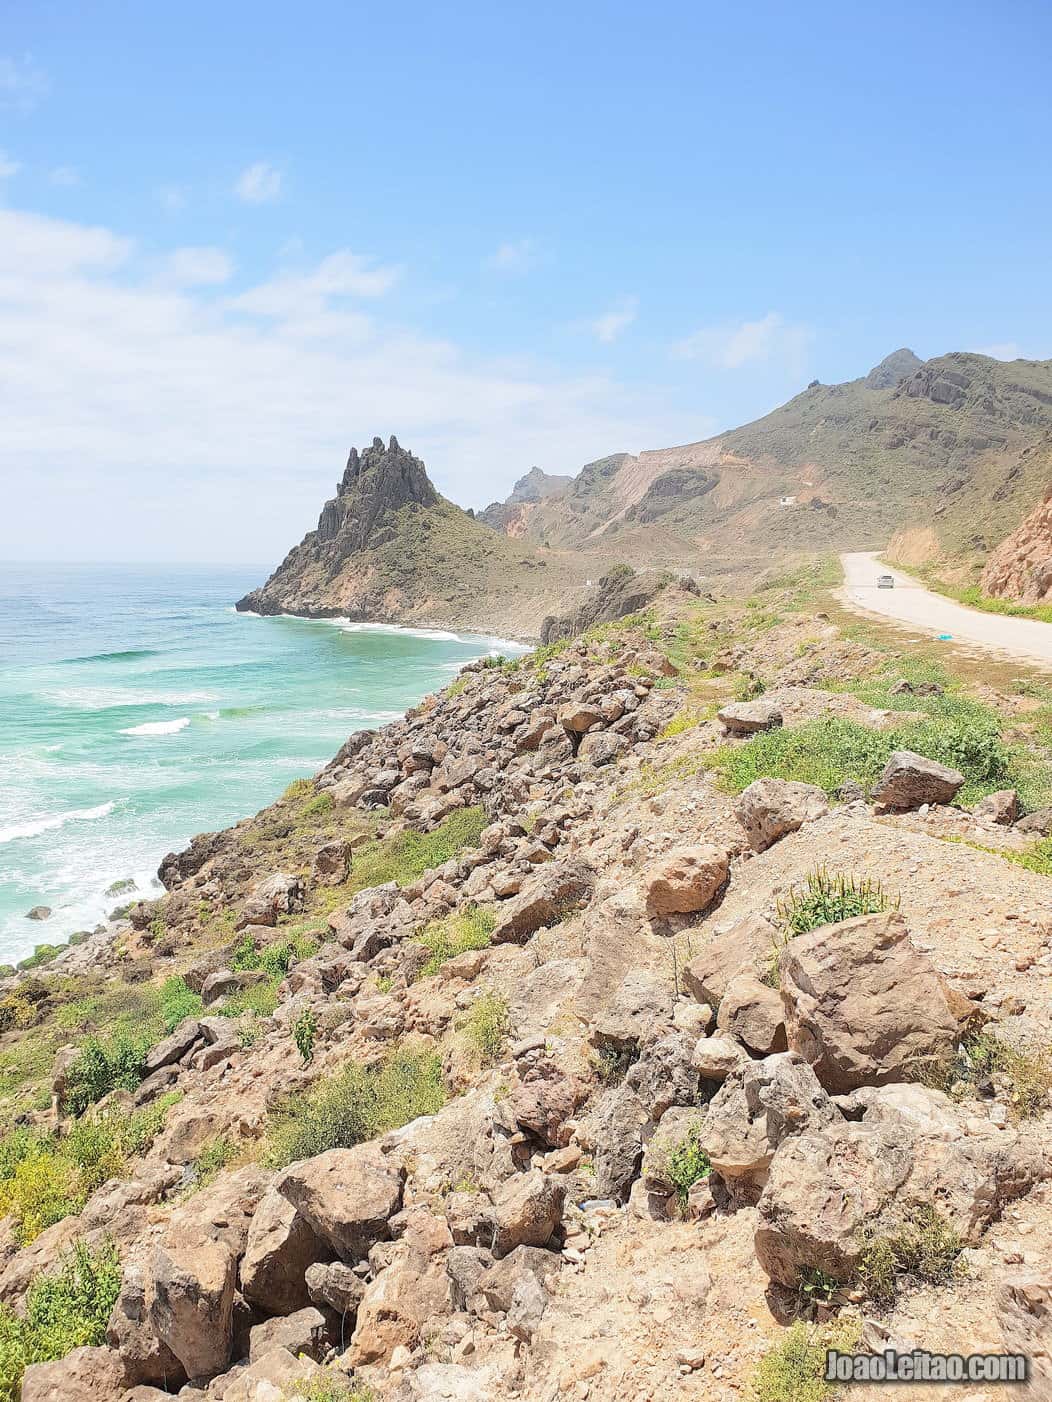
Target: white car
[(885, 581)]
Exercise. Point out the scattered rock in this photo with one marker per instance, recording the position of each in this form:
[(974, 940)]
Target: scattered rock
[(747, 717), (347, 1196), (685, 880), (910, 780), (770, 808)]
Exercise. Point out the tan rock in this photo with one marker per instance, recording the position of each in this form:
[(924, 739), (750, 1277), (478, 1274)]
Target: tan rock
[(193, 1301), (751, 1012), (281, 1246), (685, 880), (863, 1005), (770, 808), (747, 945), (527, 1209), (85, 1375), (347, 1196)]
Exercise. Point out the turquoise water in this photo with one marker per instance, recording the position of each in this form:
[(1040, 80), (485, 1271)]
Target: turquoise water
[(136, 709)]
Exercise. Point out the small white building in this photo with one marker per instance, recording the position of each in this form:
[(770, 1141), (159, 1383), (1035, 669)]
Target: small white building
[(787, 501)]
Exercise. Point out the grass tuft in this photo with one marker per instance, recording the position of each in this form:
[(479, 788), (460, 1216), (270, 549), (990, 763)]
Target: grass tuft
[(456, 934)]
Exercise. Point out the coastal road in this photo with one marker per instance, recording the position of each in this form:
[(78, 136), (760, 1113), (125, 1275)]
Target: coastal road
[(910, 604)]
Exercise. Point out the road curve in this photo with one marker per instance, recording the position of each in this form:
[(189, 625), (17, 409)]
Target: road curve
[(910, 604)]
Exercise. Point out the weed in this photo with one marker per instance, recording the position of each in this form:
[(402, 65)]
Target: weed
[(212, 1159), (816, 1287), (486, 1027), (102, 1066), (456, 934), (612, 1063), (356, 1104), (688, 1163), (794, 1370), (304, 1032), (65, 1310), (923, 1246), (330, 1386), (178, 1001), (1024, 1075), (827, 900)]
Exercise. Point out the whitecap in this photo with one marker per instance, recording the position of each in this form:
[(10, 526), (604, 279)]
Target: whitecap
[(158, 727), (56, 820)]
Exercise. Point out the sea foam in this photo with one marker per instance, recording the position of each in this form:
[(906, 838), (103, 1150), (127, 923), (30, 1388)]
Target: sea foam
[(56, 820), (158, 727)]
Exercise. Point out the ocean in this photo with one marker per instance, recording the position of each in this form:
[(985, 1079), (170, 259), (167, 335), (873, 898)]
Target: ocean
[(137, 708)]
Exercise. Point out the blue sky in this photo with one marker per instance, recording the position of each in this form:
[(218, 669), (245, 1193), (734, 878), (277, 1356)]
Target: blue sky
[(235, 239)]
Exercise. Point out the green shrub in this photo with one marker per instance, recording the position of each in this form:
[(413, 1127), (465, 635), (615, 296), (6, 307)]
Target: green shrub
[(828, 751), (794, 1370), (44, 1179), (356, 1104), (923, 1246), (65, 1310), (304, 1032), (318, 806), (486, 1027), (213, 1157), (456, 934), (827, 900), (103, 1066), (276, 958), (178, 1001), (688, 1164), (259, 999), (332, 1386), (1025, 1074)]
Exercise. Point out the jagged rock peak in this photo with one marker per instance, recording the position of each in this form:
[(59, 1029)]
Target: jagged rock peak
[(402, 475), (535, 485), (893, 369)]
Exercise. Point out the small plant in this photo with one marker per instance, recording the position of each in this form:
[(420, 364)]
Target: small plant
[(486, 1027), (456, 934), (1025, 1074), (612, 1063), (64, 1310), (816, 1287), (794, 1370), (304, 1032), (923, 1246), (178, 1001), (212, 1159), (688, 1163), (102, 1066), (827, 900), (331, 1386), (356, 1104)]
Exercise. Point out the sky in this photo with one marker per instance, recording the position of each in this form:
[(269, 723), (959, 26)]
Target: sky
[(237, 239)]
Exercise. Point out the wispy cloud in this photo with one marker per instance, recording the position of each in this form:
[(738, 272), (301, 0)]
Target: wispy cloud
[(517, 256), (199, 267), (172, 198), (22, 83), (1001, 350), (259, 183), (197, 429), (621, 315), (65, 176), (8, 167), (735, 345)]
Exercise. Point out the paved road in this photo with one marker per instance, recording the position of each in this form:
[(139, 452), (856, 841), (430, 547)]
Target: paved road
[(914, 606)]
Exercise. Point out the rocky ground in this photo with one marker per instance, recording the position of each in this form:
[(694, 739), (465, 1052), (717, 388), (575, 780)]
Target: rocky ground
[(668, 1133)]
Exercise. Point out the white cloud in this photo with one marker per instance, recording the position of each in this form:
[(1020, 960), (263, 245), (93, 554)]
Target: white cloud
[(609, 326), (172, 198), (8, 167), (65, 176), (259, 183), (199, 267), (22, 83), (513, 257), (142, 411), (1001, 350), (737, 344)]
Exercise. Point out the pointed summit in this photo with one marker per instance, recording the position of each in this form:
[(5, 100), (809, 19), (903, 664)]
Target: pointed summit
[(893, 369)]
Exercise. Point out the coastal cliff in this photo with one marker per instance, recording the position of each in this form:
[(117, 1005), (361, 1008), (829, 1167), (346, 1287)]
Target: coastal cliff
[(389, 548)]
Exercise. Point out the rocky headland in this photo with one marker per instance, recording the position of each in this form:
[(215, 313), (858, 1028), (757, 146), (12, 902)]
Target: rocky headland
[(628, 1021)]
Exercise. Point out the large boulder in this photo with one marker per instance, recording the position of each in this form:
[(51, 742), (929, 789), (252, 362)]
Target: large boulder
[(192, 1311), (279, 894), (863, 1005), (747, 717), (751, 1012), (829, 1190), (85, 1375), (527, 1208), (412, 1289), (770, 808), (558, 889), (274, 1376), (910, 780), (685, 880), (130, 1331), (281, 1247), (1024, 1312), (616, 1127), (758, 1107), (747, 945), (347, 1196)]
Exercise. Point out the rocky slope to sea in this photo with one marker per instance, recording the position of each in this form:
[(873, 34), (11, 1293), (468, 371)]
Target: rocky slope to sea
[(626, 1022)]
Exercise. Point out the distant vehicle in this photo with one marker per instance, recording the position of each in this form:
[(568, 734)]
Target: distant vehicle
[(885, 581)]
